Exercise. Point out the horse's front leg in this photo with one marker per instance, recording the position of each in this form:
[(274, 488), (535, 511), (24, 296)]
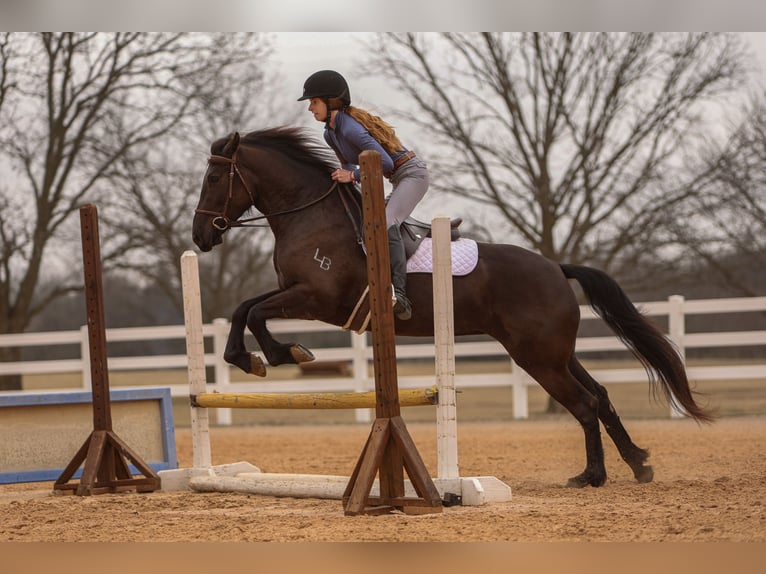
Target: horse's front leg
[(236, 353)]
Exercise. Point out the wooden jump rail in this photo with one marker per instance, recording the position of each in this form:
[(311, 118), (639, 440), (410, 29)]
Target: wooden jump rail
[(314, 401)]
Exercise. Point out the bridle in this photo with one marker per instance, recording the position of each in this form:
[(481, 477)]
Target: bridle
[(221, 220)]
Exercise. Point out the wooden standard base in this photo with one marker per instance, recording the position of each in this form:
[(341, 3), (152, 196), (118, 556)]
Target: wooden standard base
[(104, 453), (106, 468), (389, 441)]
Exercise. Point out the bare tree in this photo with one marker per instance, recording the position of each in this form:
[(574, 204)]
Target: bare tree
[(5, 86), (571, 140), (157, 194), (724, 229), (565, 137), (157, 205), (75, 108)]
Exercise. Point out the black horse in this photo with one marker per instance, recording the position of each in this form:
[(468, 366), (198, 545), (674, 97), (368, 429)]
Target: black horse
[(519, 298)]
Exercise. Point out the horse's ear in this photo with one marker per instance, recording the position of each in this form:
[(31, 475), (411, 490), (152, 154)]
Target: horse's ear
[(231, 145)]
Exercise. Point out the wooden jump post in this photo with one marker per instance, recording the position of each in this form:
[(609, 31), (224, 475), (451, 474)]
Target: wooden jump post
[(105, 455), (389, 449)]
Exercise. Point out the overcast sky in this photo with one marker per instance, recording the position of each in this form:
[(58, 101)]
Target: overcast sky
[(342, 15), (299, 54), (315, 34), (312, 35)]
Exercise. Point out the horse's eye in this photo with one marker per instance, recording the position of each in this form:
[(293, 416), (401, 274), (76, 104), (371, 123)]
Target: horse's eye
[(213, 178)]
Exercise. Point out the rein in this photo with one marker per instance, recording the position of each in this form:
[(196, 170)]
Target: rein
[(222, 222)]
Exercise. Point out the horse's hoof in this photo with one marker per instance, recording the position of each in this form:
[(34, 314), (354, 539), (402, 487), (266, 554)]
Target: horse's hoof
[(301, 354), (645, 474), (584, 479), (577, 482), (257, 367)]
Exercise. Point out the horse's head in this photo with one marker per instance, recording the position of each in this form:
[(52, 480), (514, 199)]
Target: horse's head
[(279, 171), (224, 196)]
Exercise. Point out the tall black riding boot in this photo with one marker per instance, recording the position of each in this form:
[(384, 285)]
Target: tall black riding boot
[(402, 305)]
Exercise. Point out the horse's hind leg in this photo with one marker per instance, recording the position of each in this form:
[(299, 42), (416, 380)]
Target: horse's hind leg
[(630, 453), (583, 405)]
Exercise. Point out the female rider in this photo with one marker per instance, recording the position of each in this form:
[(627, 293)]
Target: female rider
[(350, 130)]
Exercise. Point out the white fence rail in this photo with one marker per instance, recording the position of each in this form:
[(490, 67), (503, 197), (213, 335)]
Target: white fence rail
[(358, 353)]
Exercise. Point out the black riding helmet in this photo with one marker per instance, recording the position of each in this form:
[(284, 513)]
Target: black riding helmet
[(326, 84)]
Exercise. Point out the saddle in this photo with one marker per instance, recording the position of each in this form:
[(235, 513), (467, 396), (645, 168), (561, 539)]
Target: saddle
[(413, 234), (415, 231)]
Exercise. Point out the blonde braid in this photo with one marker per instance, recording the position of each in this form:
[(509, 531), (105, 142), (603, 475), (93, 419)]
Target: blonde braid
[(379, 129)]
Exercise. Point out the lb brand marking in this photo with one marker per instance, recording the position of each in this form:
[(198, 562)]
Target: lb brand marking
[(324, 262)]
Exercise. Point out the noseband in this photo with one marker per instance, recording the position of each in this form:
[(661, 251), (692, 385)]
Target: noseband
[(221, 220)]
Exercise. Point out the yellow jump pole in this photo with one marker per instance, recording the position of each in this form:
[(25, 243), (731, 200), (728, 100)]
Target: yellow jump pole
[(407, 398)]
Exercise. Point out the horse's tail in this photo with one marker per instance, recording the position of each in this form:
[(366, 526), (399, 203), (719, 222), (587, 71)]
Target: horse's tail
[(657, 354)]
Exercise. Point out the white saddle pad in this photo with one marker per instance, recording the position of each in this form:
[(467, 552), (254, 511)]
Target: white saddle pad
[(465, 256)]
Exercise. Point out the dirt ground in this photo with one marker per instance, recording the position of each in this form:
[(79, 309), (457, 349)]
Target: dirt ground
[(709, 486)]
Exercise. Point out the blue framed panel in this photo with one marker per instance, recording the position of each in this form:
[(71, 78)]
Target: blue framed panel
[(34, 424)]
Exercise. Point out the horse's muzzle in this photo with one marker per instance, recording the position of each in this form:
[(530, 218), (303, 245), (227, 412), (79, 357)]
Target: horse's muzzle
[(207, 240)]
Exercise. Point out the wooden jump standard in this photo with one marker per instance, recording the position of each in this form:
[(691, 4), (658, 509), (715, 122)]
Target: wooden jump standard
[(389, 449), (105, 455)]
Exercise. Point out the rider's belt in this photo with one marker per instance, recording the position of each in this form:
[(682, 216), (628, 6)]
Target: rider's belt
[(401, 160)]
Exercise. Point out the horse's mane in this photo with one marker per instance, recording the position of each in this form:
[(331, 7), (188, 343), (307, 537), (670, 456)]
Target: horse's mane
[(298, 145), (294, 143)]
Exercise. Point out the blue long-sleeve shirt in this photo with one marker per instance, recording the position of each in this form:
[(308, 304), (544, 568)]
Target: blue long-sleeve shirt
[(349, 138)]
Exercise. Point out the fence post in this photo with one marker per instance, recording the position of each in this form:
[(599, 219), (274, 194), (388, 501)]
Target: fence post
[(520, 394), (87, 383), (677, 332), (359, 369), (222, 374)]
